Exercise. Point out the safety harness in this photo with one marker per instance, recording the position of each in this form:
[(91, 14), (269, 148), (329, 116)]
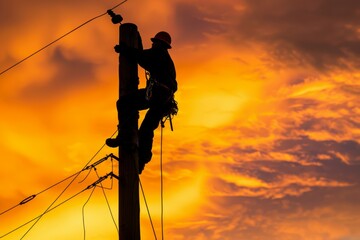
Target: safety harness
[(173, 109)]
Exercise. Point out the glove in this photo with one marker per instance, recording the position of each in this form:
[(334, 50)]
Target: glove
[(120, 48), (117, 48)]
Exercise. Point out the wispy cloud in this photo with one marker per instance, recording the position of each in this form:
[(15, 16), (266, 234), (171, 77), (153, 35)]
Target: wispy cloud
[(266, 142)]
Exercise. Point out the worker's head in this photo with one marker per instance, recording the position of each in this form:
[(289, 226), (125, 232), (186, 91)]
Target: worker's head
[(162, 38)]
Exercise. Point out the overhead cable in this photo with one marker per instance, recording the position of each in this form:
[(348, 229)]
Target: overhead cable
[(58, 205), (59, 38), (28, 199), (57, 198), (107, 201)]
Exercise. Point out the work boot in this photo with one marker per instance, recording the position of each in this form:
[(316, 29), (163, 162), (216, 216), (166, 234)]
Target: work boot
[(113, 142)]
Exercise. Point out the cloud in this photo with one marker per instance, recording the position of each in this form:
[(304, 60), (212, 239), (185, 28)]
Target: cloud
[(308, 149), (194, 24), (297, 141), (312, 215), (322, 34), (283, 163), (283, 168), (71, 74)]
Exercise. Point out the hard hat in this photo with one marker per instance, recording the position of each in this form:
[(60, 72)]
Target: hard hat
[(164, 37)]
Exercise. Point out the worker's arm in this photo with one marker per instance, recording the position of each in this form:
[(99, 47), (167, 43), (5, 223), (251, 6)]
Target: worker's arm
[(146, 58)]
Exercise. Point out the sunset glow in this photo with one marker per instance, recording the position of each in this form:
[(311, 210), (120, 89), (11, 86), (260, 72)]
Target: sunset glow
[(266, 144)]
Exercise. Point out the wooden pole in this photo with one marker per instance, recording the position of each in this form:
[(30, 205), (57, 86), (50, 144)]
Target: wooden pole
[(129, 209)]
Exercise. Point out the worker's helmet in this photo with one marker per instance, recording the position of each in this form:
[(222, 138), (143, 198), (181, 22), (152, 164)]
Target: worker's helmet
[(163, 37)]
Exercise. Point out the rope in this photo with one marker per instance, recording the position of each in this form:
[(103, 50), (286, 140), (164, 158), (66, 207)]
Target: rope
[(162, 181), (58, 39)]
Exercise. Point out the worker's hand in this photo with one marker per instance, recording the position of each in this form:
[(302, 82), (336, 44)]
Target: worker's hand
[(120, 48), (117, 48)]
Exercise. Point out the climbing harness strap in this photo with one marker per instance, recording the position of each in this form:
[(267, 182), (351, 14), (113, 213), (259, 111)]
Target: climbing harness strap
[(171, 104), (151, 82), (149, 86)]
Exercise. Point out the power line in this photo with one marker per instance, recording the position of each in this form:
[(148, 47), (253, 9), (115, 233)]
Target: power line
[(58, 39), (107, 201), (111, 214), (83, 211), (56, 206), (30, 198), (88, 167), (47, 211), (76, 175)]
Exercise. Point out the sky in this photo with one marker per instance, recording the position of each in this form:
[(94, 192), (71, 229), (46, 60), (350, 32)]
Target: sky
[(266, 144)]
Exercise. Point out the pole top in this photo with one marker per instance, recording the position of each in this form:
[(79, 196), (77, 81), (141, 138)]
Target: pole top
[(129, 25)]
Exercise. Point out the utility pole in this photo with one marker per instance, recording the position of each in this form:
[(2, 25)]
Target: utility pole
[(129, 207)]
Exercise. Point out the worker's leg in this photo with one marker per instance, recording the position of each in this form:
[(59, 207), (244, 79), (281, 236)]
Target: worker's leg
[(151, 121), (146, 135), (132, 103), (126, 106)]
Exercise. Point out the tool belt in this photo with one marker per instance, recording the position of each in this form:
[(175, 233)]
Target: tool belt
[(171, 108)]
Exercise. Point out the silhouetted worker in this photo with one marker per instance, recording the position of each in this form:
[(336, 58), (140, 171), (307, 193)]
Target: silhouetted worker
[(158, 96)]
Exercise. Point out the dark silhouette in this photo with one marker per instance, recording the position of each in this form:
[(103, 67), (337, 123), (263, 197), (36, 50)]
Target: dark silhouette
[(158, 96)]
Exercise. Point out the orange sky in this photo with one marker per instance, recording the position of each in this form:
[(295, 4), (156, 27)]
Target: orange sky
[(267, 139)]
